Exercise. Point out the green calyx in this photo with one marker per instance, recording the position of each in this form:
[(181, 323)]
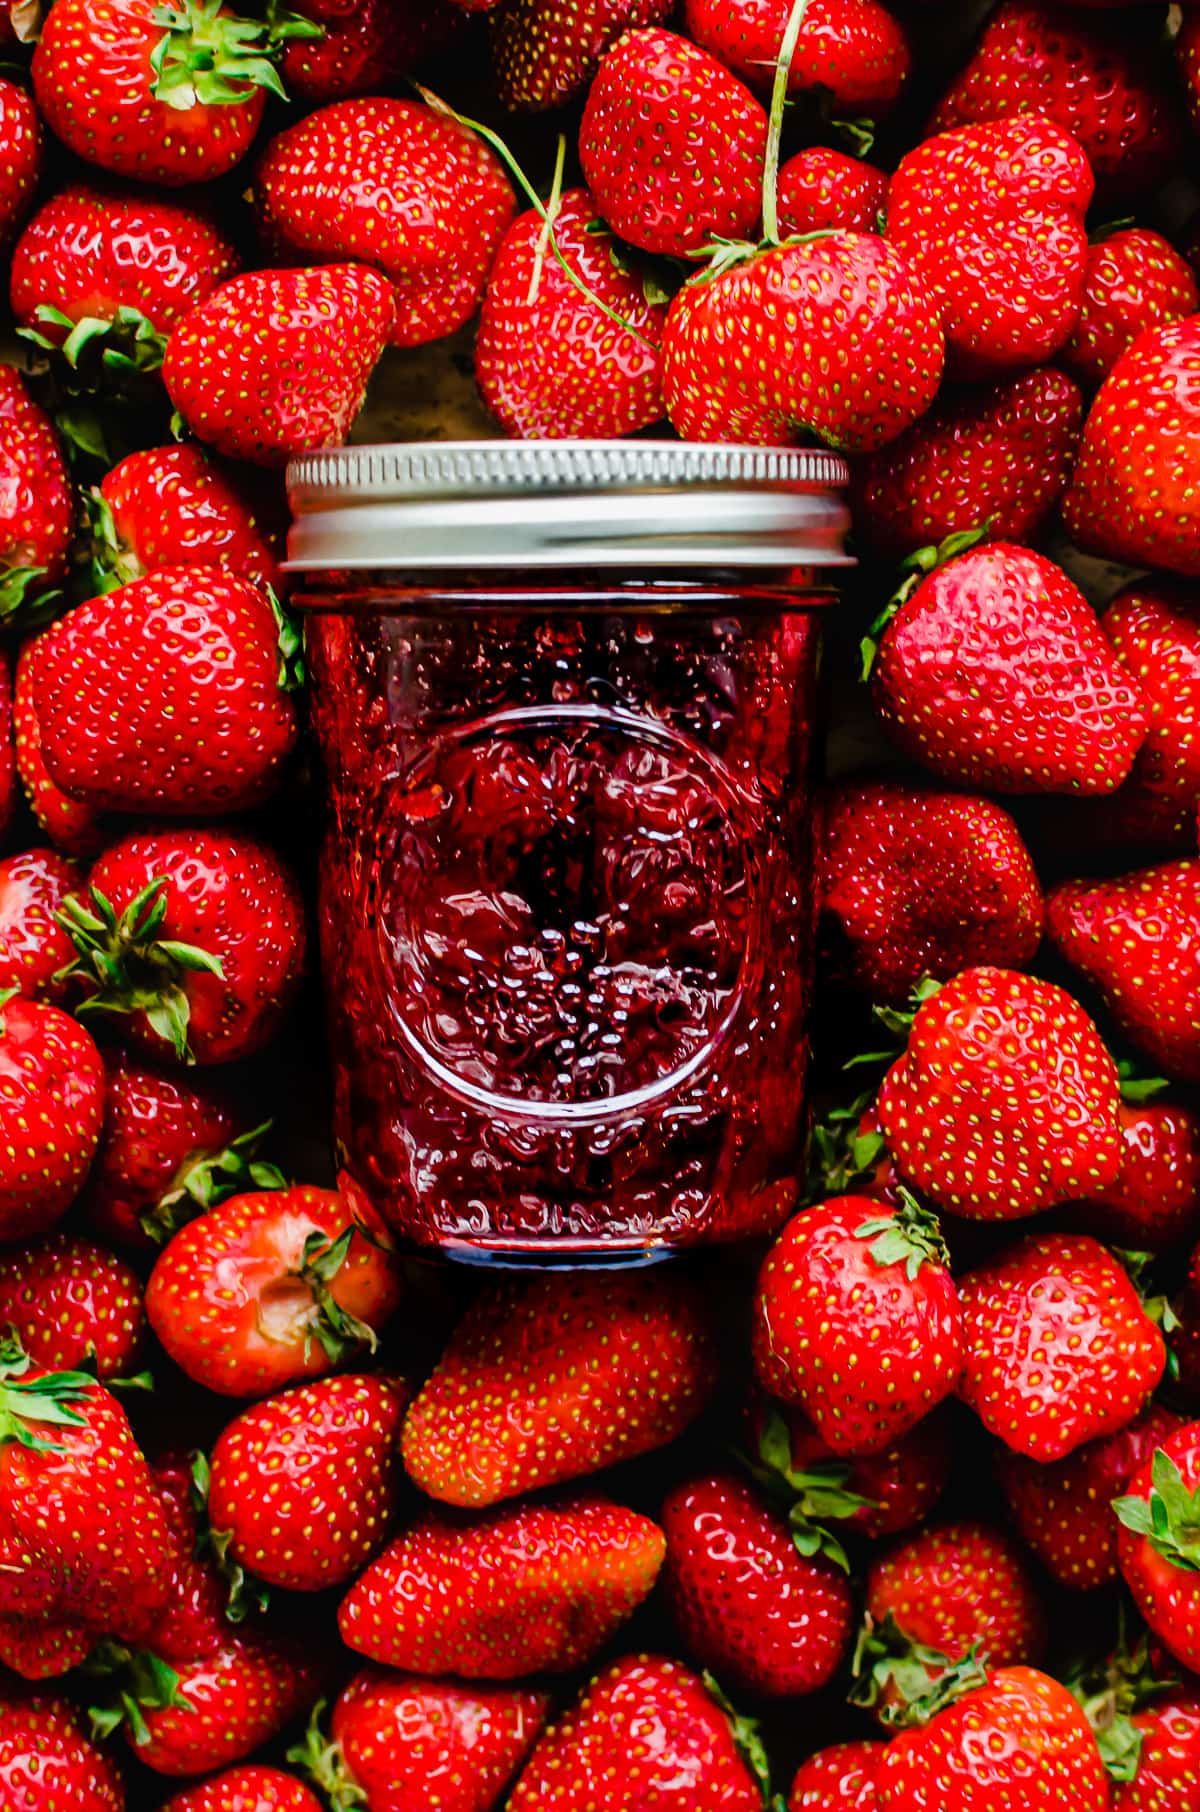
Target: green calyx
[(211, 1179), (1155, 1306), (810, 1497), (338, 1331), (839, 1155), (28, 1406), (906, 1683), (137, 1681), (320, 1759), (25, 599), (127, 344), (1169, 1518), (909, 1235), (746, 1736), (208, 58), (130, 968), (244, 1596), (898, 1023), (1110, 1692), (291, 676), (1135, 1087), (915, 569)]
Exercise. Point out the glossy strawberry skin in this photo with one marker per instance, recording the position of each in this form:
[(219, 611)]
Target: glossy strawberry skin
[(1166, 1594), (365, 46), (1135, 279), (545, 51), (72, 1304), (36, 503), (50, 1114), (238, 1699), (1154, 628), (249, 1789), (169, 506), (48, 1761), (21, 159), (1169, 1759), (838, 1779), (1153, 1203), (821, 188), (959, 1586), (854, 50), (71, 827), (33, 947)]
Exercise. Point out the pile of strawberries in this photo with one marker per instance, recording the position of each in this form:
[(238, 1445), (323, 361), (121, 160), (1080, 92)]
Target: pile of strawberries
[(291, 1522)]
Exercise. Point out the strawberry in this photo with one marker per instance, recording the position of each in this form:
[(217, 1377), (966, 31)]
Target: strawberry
[(1135, 279), (249, 1789), (47, 1761), (169, 506), (304, 1487), (672, 145), (994, 673), (645, 1732), (1167, 1734), (747, 1602), (885, 925), (36, 506), (838, 1779), (313, 1284), (167, 100), (555, 1377), (51, 1108), (819, 188), (20, 155), (365, 46), (212, 725), (70, 826), (854, 51), (873, 1494), (535, 1588), (993, 458), (1005, 1101), (1131, 497), (775, 348), (991, 218), (33, 946), (549, 361), (1064, 1510), (1099, 79), (1155, 632), (276, 362), (1157, 1547), (853, 1259), (403, 1744), (1136, 939), (192, 940), (546, 51), (399, 186), (1059, 1348), (72, 1304), (8, 752), (1187, 57), (206, 1596), (1153, 1202)]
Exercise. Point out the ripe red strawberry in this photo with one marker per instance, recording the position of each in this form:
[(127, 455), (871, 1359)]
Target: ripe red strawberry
[(48, 1762), (1131, 497), (20, 155), (549, 361), (33, 946), (395, 184), (645, 1732), (311, 1287), (1099, 79), (1059, 1349), (914, 882), (672, 145), (277, 362), (1187, 57), (992, 458), (535, 1588), (853, 50), (555, 1377), (72, 1304), (169, 506), (872, 1494), (994, 672), (304, 1487), (833, 1267), (819, 188), (8, 752), (192, 940), (250, 1789), (1153, 1203), (1064, 1511), (747, 1602), (1157, 1546), (546, 51), (205, 1596), (1005, 1101), (36, 506), (838, 1779), (51, 1107), (366, 45), (69, 825), (1168, 1760), (750, 354), (1154, 628), (1135, 280), (1136, 939), (212, 724), (991, 218)]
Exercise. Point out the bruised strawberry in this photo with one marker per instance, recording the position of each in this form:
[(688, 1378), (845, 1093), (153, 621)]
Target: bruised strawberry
[(1157, 1544), (820, 188), (72, 1304), (169, 506), (1135, 279), (36, 507), (1154, 628), (838, 1779), (249, 1789), (20, 155), (545, 51), (34, 948), (51, 1107), (47, 1761), (1153, 1202)]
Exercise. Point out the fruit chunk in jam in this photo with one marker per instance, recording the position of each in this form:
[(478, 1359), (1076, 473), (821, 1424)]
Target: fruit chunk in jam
[(566, 913)]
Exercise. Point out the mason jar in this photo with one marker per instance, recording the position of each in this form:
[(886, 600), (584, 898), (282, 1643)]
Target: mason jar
[(565, 695)]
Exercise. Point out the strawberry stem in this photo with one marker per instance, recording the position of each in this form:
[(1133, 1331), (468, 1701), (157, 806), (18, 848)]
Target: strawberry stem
[(335, 1328), (320, 1758), (808, 1497), (1109, 1692), (910, 1235), (553, 204), (746, 1736), (783, 70), (906, 1683), (1169, 1517), (137, 1678), (290, 643)]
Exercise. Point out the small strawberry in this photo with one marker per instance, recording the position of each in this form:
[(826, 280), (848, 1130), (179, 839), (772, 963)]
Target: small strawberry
[(70, 826), (849, 1261), (20, 155), (535, 1588), (1136, 940), (645, 1732), (546, 51), (838, 1779), (303, 1488), (1059, 1348), (1135, 279), (556, 1377), (747, 1601), (398, 185), (672, 145), (312, 1285), (1064, 1511), (48, 1763), (51, 1107), (549, 361), (819, 188), (1154, 628), (854, 51), (1005, 1101), (36, 506), (1153, 1202), (249, 1789), (34, 948), (994, 672), (366, 45), (993, 458), (192, 940), (71, 1305), (872, 1494), (991, 218), (169, 506), (1159, 1543)]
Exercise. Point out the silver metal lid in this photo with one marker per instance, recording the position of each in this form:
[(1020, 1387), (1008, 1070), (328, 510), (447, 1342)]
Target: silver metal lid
[(491, 504)]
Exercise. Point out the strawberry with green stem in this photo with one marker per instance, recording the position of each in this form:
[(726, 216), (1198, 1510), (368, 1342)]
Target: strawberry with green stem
[(825, 1495), (1159, 1544), (170, 506), (36, 504), (1146, 1724), (72, 1305)]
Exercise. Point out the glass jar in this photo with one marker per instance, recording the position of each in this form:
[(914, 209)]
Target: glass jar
[(565, 697)]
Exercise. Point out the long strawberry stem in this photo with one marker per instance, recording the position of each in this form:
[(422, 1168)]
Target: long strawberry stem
[(783, 70), (553, 204)]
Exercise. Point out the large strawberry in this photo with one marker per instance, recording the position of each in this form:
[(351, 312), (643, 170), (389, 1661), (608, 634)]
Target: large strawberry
[(1005, 1101), (991, 217), (311, 1282), (277, 362), (72, 1304), (1153, 1202), (211, 725), (51, 1107), (535, 1588), (557, 360), (21, 162), (1059, 1348), (1154, 628), (36, 506), (820, 188), (191, 942), (838, 1779), (555, 1377), (854, 51), (253, 1788), (169, 506), (994, 672), (70, 826), (990, 458), (1159, 1543), (48, 1761), (1135, 280), (1136, 939), (34, 948), (397, 185)]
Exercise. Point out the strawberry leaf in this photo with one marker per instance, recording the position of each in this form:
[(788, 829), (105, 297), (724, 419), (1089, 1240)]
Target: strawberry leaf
[(27, 1405), (291, 646), (335, 1327), (136, 1679), (211, 1179), (908, 1235), (209, 58), (905, 1683), (1169, 1517), (318, 1757)]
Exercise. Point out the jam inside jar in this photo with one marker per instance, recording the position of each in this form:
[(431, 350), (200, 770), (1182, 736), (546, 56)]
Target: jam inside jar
[(567, 900)]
